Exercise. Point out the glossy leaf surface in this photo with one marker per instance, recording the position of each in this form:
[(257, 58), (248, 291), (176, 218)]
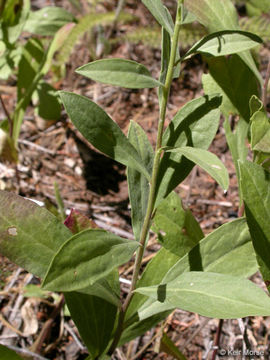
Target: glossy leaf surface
[(195, 124), (85, 258), (212, 295), (207, 161), (119, 72), (101, 131), (138, 186)]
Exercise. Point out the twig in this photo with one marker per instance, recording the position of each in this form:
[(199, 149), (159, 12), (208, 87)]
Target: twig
[(217, 339), (35, 146), (36, 347), (204, 323), (114, 229), (265, 85), (215, 202), (11, 327), (10, 122), (75, 337), (25, 352)]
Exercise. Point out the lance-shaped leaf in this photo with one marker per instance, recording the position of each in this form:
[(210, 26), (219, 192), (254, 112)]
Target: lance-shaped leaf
[(229, 244), (225, 42), (85, 258), (232, 78), (138, 186), (195, 124), (101, 131), (160, 13), (217, 16), (207, 161), (227, 250), (168, 346), (47, 20), (212, 295), (94, 318), (177, 229), (255, 185), (119, 72), (29, 235)]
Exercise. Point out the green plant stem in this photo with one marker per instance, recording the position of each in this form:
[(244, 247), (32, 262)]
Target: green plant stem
[(153, 183)]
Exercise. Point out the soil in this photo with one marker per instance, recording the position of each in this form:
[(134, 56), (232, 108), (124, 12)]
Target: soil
[(95, 185)]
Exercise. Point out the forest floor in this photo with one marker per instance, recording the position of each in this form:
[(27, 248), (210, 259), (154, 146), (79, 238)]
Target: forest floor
[(96, 186)]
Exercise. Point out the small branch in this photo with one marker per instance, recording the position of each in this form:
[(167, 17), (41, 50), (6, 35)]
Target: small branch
[(10, 122), (217, 339), (36, 347), (265, 85)]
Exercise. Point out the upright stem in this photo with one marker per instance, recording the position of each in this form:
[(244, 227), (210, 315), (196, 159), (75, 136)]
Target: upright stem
[(153, 183)]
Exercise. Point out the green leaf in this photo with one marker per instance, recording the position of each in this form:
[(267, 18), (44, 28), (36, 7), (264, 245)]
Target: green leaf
[(138, 186), (101, 131), (212, 295), (229, 244), (29, 64), (141, 326), (14, 17), (49, 105), (158, 10), (119, 72), (94, 318), (207, 161), (6, 353), (106, 288), (218, 16), (47, 20), (152, 275), (260, 128), (85, 258), (232, 78), (225, 42), (154, 272), (170, 348), (255, 185), (8, 150), (195, 124), (237, 144), (177, 229), (30, 235)]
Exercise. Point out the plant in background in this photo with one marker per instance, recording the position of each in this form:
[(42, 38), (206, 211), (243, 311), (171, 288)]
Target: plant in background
[(201, 274), (31, 60)]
